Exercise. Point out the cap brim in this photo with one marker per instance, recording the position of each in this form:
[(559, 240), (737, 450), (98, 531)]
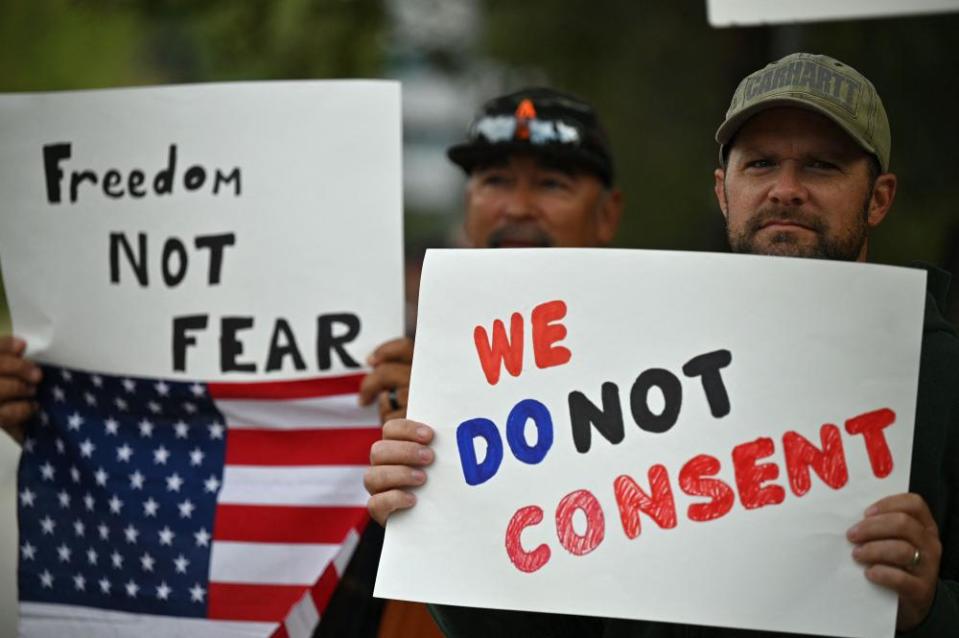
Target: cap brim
[(469, 156), (728, 129)]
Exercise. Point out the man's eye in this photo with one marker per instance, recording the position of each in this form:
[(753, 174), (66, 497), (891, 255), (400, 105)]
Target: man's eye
[(553, 183), (494, 179), (822, 165), (759, 163)]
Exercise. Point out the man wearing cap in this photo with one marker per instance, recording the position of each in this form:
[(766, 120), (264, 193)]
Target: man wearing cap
[(804, 172)]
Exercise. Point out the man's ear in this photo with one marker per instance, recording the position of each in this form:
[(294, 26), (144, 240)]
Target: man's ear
[(883, 193), (610, 213), (719, 188)]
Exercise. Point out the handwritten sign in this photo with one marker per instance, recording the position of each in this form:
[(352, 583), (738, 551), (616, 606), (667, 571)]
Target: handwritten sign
[(730, 13), (652, 435), (215, 229)]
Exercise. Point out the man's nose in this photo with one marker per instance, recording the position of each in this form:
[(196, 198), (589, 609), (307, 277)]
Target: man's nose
[(789, 188)]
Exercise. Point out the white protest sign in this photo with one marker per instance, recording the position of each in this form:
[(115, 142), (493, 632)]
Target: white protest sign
[(732, 13), (191, 230), (668, 436)]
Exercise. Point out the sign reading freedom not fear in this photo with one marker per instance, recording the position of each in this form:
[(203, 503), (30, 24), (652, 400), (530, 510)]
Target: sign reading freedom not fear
[(655, 435)]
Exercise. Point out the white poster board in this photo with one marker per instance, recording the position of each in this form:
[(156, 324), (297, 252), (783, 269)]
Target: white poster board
[(712, 375), (739, 13)]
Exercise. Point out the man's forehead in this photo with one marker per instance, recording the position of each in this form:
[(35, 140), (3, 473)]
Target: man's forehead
[(798, 127)]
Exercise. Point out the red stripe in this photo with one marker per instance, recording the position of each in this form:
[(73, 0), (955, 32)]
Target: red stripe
[(347, 446), (232, 601), (323, 589), (285, 524), (299, 389), (280, 632)]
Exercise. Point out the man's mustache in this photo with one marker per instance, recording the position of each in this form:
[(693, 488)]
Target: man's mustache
[(773, 214), (524, 234)]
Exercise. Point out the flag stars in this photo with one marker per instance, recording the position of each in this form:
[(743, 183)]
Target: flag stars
[(197, 390), (146, 428), (97, 380), (131, 533), (189, 407), (100, 476), (121, 404), (61, 448), (87, 448), (186, 509), (150, 507), (28, 551), (79, 582), (59, 394), (154, 407), (64, 498), (180, 563), (174, 483), (112, 426), (117, 560), (161, 388), (180, 429), (147, 562), (29, 444), (66, 375), (47, 471), (132, 589), (79, 528), (136, 480), (74, 474), (129, 385), (216, 431), (163, 591), (166, 536), (92, 556), (196, 456), (90, 398), (115, 504), (63, 553), (27, 497), (104, 586), (212, 484), (88, 501), (202, 537), (160, 455), (197, 593), (104, 531), (46, 579), (47, 525), (74, 421), (44, 418), (124, 452)]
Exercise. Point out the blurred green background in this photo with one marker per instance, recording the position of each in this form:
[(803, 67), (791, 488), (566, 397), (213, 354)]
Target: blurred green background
[(659, 75)]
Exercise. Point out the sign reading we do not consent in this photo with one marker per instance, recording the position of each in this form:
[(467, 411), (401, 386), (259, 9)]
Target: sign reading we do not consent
[(655, 435)]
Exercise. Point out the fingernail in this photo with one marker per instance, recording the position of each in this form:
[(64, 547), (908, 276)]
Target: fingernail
[(422, 433), (18, 343), (371, 360), (419, 476), (852, 532), (35, 375), (425, 454), (410, 499), (857, 551), (872, 510)]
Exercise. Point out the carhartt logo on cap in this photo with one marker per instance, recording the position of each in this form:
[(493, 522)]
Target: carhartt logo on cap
[(808, 76), (524, 113)]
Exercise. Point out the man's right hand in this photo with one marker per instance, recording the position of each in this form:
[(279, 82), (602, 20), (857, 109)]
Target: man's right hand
[(396, 464), (18, 386)]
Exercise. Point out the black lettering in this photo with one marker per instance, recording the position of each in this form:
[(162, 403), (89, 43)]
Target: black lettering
[(216, 244), (78, 178), (233, 177), (672, 391), (53, 154), (138, 262), (182, 325), (163, 182), (708, 366), (230, 347), (134, 181), (608, 420), (279, 350), (174, 246), (326, 342), (194, 178), (111, 180)]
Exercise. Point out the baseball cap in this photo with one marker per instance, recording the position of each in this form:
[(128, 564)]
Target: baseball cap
[(538, 120), (817, 83)]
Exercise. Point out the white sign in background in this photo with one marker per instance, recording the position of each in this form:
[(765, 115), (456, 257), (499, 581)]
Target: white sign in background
[(317, 222), (811, 343), (732, 13)]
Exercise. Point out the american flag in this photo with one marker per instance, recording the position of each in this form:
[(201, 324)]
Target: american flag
[(184, 508)]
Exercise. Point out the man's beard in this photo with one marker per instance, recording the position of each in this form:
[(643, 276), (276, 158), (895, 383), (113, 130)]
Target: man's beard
[(788, 244), (525, 234)]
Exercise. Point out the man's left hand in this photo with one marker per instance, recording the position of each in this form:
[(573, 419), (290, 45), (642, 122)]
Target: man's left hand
[(898, 541)]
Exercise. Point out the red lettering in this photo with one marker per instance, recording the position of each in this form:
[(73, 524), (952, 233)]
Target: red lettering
[(595, 523), (499, 350), (525, 561), (546, 332), (632, 500), (750, 476), (829, 463), (871, 426), (691, 481)]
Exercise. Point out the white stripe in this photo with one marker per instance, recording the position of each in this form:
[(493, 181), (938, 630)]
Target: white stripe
[(330, 486), (303, 618), (346, 552), (269, 563), (43, 620), (325, 412)]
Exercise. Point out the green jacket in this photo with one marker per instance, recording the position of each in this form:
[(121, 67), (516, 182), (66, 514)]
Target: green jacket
[(935, 476)]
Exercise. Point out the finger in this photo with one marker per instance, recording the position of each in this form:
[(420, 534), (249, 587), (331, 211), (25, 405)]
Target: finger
[(383, 478), (14, 416), (895, 553), (16, 366), (911, 504), (400, 453), (902, 582), (395, 351), (12, 345), (380, 506), (891, 525), (406, 430), (384, 377), (398, 414), (12, 388)]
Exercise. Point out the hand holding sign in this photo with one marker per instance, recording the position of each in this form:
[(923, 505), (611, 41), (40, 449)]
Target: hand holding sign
[(18, 385), (395, 464)]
